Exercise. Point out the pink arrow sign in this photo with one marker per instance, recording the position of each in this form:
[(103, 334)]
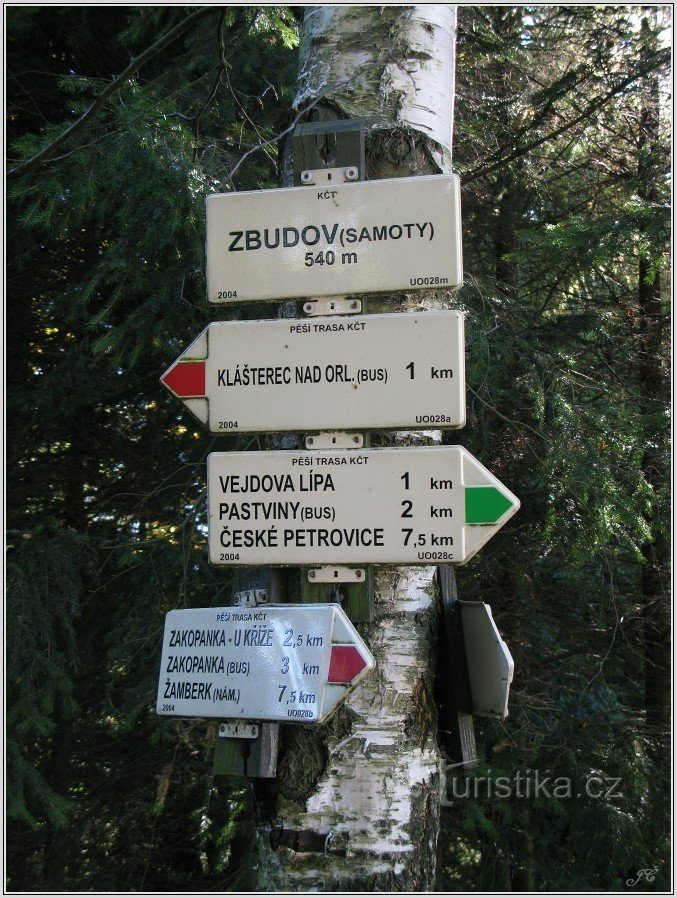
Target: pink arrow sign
[(293, 663)]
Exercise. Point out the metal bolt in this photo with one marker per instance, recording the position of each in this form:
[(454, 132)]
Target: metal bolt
[(356, 439), (351, 174), (308, 307), (305, 176), (358, 574), (310, 441), (354, 304), (311, 574)]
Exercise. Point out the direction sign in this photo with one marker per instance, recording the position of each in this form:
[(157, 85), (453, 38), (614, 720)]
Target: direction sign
[(365, 237), (371, 371), (490, 664), (373, 506), (293, 663)]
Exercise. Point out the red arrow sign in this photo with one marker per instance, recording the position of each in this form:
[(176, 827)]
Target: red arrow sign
[(345, 663), (185, 379), (291, 376), (291, 663)]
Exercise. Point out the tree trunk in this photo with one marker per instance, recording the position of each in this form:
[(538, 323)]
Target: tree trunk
[(358, 803)]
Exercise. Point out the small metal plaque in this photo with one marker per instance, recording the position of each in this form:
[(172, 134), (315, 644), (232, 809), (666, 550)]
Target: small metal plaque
[(490, 664)]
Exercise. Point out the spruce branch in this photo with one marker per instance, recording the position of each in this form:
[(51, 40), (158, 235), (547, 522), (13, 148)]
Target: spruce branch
[(496, 160), (136, 63)]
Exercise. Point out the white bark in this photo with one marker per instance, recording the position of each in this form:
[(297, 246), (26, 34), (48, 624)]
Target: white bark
[(376, 801), (393, 66)]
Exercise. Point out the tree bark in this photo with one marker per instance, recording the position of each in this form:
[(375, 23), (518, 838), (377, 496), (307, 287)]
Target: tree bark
[(358, 802)]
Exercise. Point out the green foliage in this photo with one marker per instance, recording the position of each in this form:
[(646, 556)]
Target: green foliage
[(565, 224), (47, 573), (106, 499), (566, 412)]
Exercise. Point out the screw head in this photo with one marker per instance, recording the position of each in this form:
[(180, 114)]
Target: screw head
[(311, 574)]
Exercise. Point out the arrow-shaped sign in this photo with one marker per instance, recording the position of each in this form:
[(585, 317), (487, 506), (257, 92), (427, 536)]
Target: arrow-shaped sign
[(293, 663), (361, 372), (373, 506)]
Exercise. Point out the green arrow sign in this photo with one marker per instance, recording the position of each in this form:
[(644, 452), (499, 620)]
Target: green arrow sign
[(485, 504)]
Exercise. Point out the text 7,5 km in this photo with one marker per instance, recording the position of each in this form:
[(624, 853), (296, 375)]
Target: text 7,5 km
[(299, 508)]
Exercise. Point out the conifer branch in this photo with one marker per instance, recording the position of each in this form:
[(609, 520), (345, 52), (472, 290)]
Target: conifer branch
[(496, 160), (136, 63)]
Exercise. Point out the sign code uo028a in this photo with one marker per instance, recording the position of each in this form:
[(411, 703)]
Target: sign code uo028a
[(372, 506), (358, 372)]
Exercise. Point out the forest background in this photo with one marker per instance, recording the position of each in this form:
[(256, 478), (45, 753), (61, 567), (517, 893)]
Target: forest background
[(562, 144)]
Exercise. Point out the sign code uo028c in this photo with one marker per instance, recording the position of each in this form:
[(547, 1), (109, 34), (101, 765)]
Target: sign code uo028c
[(379, 506)]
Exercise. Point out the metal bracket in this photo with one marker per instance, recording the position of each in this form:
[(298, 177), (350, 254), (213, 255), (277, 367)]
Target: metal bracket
[(238, 730), (321, 176), (332, 305), (328, 147), (335, 439), (250, 598), (336, 574)]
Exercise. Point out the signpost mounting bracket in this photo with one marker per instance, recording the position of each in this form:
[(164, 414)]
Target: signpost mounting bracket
[(332, 305), (251, 598), (336, 573), (322, 147), (231, 729), (314, 177), (335, 439)]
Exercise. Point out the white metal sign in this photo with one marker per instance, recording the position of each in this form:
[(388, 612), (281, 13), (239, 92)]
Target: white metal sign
[(490, 664), (372, 371), (370, 236), (379, 506), (293, 663)]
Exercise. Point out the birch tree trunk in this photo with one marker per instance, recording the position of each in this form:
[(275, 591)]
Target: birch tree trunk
[(357, 804)]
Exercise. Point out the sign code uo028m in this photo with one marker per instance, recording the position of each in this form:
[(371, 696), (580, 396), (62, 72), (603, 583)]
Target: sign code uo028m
[(379, 506), (365, 237)]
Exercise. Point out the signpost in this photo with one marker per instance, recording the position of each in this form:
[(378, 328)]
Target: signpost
[(291, 663), (374, 506), (412, 506), (365, 237), (372, 371)]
